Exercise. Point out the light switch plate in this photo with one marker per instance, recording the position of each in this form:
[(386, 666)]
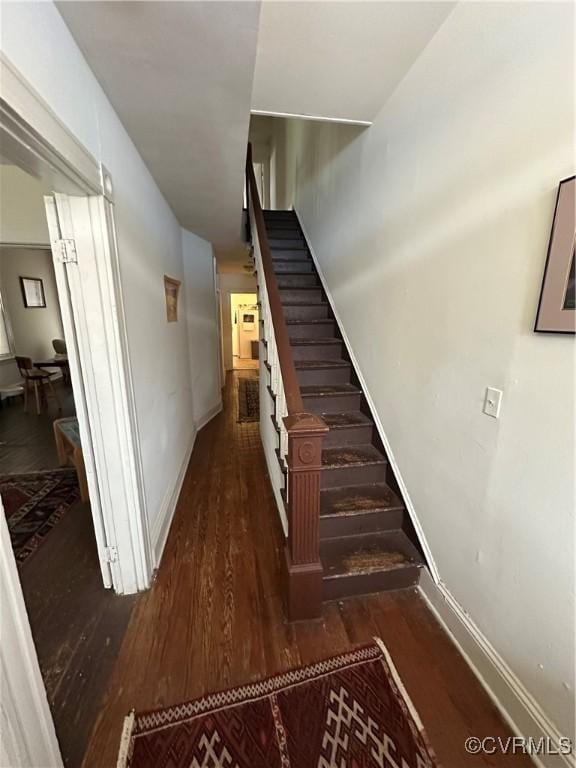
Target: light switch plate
[(493, 402)]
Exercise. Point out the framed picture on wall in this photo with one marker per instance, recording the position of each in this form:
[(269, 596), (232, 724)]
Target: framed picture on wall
[(557, 306), (171, 291), (32, 292)]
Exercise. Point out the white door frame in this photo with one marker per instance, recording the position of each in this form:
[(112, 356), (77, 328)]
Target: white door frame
[(36, 140)]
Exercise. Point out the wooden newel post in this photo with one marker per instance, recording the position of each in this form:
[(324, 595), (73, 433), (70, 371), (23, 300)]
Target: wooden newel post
[(303, 567)]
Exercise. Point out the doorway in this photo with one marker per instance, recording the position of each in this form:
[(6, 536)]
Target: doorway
[(53, 514), (61, 627), (245, 323)]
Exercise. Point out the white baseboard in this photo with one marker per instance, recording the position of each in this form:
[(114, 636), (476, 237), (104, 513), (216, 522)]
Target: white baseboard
[(208, 416), (518, 707), (162, 523)]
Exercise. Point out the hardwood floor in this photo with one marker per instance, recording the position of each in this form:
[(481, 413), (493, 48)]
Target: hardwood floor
[(77, 625), (27, 440), (214, 616)]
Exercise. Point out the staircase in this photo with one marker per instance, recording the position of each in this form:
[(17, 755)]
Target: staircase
[(367, 542)]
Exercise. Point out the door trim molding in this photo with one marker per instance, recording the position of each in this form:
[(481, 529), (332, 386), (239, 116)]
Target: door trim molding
[(31, 125), (37, 140)]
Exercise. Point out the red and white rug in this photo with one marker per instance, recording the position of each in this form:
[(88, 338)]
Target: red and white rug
[(34, 503), (350, 711)]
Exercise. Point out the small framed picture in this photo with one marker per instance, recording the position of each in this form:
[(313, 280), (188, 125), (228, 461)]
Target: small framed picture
[(557, 306), (171, 290), (32, 292)]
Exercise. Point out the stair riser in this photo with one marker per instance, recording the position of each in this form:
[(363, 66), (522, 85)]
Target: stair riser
[(352, 525), (350, 474), (288, 254), (310, 296), (323, 376), (364, 584), (317, 351), (285, 223), (296, 281), (332, 403), (292, 243), (358, 435), (310, 312), (284, 233), (287, 267), (312, 331), (273, 226)]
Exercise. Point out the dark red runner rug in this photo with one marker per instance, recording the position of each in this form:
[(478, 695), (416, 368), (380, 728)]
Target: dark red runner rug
[(350, 711), (34, 503)]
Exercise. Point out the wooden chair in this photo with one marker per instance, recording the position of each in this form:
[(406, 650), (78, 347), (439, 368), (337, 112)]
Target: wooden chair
[(35, 378)]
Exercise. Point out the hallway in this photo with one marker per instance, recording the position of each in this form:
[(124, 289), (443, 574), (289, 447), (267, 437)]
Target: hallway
[(214, 617)]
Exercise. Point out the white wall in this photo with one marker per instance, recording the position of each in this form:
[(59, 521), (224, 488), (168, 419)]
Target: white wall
[(22, 214), (33, 328), (202, 321), (231, 282), (36, 40), (431, 228)]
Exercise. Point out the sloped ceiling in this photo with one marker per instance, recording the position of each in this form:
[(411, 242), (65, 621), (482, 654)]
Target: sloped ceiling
[(338, 60), (184, 76), (179, 75)]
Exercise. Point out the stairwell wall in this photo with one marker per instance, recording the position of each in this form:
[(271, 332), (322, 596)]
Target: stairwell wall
[(431, 229)]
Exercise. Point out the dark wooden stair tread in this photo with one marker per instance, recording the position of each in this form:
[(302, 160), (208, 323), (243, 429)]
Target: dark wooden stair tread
[(328, 390), (314, 342), (305, 303), (351, 455), (358, 499), (345, 419), (367, 554), (313, 321), (299, 287), (312, 365), (280, 274)]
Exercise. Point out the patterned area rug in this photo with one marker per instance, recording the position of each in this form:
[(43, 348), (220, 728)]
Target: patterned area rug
[(248, 400), (34, 503), (350, 711)]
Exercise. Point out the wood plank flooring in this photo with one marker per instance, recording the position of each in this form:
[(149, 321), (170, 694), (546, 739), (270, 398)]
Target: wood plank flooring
[(77, 625), (214, 616), (27, 440)]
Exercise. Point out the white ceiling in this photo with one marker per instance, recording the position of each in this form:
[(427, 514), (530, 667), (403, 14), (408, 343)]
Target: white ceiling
[(338, 60), (183, 77), (179, 75)]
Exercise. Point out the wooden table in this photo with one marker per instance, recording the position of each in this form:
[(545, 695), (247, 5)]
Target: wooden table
[(69, 447), (56, 362)]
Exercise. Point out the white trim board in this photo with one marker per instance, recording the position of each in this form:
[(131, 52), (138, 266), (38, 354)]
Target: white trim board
[(317, 118), (208, 416), (404, 490), (515, 703), (163, 521)]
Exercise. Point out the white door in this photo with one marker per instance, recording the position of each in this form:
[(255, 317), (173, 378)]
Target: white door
[(69, 294)]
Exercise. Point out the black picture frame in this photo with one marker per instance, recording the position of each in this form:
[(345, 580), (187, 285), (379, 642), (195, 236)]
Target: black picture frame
[(33, 294)]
